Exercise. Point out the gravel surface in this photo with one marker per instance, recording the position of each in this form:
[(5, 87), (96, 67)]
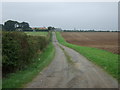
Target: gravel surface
[(81, 73)]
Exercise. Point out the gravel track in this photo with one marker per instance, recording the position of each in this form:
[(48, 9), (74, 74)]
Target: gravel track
[(81, 73)]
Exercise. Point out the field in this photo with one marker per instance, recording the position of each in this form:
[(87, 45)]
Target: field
[(37, 33), (102, 40)]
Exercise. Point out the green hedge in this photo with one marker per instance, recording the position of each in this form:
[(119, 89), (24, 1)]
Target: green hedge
[(18, 49)]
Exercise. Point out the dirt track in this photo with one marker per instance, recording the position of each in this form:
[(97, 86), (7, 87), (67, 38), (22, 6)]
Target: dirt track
[(80, 73)]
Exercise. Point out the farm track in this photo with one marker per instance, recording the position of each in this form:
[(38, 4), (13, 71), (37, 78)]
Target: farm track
[(73, 72)]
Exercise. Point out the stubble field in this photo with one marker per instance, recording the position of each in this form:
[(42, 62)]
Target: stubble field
[(102, 40)]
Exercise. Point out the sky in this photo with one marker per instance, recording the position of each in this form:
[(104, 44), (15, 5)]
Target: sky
[(65, 15)]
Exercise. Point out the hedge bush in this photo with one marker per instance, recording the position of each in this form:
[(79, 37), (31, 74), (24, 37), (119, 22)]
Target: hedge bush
[(18, 49)]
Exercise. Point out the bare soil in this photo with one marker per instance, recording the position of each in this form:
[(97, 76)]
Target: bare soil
[(102, 40), (79, 74)]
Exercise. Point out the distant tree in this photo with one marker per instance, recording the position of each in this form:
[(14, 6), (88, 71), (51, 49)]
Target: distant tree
[(14, 25), (10, 25), (51, 28), (24, 25)]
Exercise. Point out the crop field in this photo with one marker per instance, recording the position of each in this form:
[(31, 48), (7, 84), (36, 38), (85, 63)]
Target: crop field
[(102, 40), (37, 33)]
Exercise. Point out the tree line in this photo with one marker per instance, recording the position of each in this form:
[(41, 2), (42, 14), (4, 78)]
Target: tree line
[(11, 25), (88, 31)]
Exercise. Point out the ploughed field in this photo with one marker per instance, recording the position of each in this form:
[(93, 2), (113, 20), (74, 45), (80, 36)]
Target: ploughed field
[(102, 40)]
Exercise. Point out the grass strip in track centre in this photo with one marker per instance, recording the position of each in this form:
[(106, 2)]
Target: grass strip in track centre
[(19, 79), (104, 59), (67, 56)]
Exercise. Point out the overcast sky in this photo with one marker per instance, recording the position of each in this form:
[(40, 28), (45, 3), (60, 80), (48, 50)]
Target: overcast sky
[(65, 15)]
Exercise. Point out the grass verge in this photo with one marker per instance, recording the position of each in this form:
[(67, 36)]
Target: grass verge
[(17, 80), (104, 59)]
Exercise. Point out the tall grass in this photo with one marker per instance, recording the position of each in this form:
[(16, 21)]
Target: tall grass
[(107, 60)]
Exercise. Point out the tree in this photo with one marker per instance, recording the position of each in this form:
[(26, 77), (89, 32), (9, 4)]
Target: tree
[(24, 25), (14, 25), (10, 25), (51, 28)]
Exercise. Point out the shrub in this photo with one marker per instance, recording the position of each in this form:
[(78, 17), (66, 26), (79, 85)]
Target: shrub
[(18, 49)]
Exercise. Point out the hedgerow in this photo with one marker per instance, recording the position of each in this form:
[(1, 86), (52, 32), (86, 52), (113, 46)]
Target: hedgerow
[(18, 49)]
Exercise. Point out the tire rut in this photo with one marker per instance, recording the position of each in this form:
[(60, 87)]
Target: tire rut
[(81, 73)]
